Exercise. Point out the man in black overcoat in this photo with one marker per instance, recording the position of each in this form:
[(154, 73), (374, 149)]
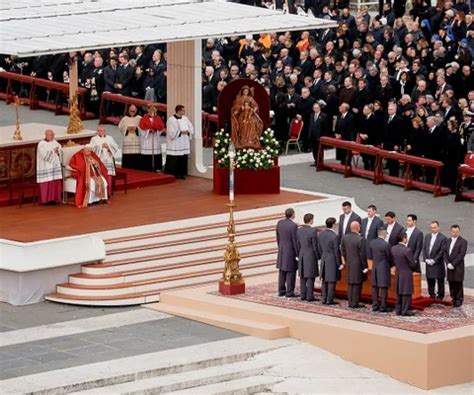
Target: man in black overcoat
[(307, 258), (287, 254), (331, 265), (433, 255), (454, 254)]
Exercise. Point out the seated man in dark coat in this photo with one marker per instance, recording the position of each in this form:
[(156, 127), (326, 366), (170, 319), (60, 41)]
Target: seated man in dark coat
[(379, 253), (404, 261)]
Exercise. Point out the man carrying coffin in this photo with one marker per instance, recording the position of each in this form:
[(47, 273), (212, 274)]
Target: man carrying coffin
[(179, 132), (91, 175), (151, 126), (105, 148), (48, 169)]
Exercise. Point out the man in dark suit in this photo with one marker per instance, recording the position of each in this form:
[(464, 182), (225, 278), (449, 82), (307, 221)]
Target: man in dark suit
[(353, 252), (318, 127), (434, 140), (415, 239), (346, 218), (287, 254), (393, 137), (394, 229), (307, 258), (404, 261), (328, 246), (433, 255), (369, 134), (124, 75), (381, 256), (370, 225), (454, 253), (344, 129)]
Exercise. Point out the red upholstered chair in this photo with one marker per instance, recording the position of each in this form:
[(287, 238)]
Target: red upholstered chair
[(21, 184), (296, 126), (469, 160), (120, 175)]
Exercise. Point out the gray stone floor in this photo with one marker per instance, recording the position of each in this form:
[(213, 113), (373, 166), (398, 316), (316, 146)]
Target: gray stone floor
[(104, 345)]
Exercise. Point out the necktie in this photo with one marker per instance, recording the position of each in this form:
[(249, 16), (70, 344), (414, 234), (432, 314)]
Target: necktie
[(316, 116)]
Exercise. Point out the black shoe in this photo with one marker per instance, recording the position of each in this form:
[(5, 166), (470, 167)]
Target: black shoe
[(292, 295), (439, 297), (303, 299), (324, 302), (385, 310), (457, 304), (281, 294), (312, 165), (312, 300), (332, 303), (409, 314), (376, 308), (357, 306)]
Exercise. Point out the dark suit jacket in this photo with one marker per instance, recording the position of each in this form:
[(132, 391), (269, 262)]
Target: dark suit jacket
[(372, 129), (393, 133), (328, 246), (354, 253), (124, 76), (376, 224), (345, 127), (405, 263), (438, 269), (318, 128), (415, 244), (456, 258), (308, 256), (110, 75), (379, 252), (396, 231), (353, 217), (287, 245)]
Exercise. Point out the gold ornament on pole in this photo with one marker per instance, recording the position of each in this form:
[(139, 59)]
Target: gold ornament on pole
[(17, 134), (232, 282), (75, 124)]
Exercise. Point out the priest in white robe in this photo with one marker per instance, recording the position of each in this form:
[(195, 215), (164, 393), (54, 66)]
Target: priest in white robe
[(49, 174), (105, 148), (179, 132), (131, 150)]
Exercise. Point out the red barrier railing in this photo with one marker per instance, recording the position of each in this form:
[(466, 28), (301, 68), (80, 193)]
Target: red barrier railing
[(60, 98), (377, 175), (464, 172)]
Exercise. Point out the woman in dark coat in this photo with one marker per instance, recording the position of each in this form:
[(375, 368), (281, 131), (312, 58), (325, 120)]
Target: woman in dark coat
[(452, 156)]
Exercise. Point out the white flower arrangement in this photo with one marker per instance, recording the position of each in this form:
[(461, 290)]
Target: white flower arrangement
[(247, 158)]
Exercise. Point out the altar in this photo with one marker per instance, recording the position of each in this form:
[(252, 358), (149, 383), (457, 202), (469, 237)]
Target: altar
[(18, 157)]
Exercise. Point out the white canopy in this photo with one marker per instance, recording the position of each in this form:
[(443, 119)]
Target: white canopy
[(39, 27)]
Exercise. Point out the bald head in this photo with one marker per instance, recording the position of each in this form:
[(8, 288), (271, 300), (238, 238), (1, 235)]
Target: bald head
[(49, 135), (355, 227)]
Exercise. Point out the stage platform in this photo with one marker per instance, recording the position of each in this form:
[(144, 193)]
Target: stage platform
[(183, 199), (135, 179), (430, 350)]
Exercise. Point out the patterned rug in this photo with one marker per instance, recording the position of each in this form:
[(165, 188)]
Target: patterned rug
[(432, 319)]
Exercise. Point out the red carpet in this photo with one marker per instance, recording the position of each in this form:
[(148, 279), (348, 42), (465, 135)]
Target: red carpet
[(135, 179), (432, 319)]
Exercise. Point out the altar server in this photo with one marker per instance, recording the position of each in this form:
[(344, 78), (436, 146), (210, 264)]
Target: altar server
[(105, 148), (151, 127), (179, 132), (48, 169), (131, 150)]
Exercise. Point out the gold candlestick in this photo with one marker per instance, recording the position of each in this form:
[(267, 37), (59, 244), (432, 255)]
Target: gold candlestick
[(17, 134), (75, 124), (231, 255)]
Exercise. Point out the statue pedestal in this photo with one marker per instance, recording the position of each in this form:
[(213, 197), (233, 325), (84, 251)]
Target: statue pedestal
[(234, 288), (247, 181)]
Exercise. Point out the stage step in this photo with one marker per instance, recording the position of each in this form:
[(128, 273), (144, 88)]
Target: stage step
[(139, 266), (189, 380)]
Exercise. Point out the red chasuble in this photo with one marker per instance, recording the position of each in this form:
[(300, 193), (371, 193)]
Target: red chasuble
[(80, 173), (155, 125)]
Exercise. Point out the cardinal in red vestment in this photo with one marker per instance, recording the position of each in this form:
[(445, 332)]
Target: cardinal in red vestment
[(91, 175)]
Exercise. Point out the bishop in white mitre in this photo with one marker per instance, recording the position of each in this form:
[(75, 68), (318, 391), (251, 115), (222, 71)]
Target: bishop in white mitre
[(179, 132), (49, 174), (105, 148)]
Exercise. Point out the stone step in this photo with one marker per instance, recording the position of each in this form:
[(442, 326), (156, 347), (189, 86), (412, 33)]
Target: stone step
[(167, 270), (188, 380), (195, 228), (247, 385), (177, 256), (235, 322), (174, 237), (153, 284), (145, 366), (184, 246)]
